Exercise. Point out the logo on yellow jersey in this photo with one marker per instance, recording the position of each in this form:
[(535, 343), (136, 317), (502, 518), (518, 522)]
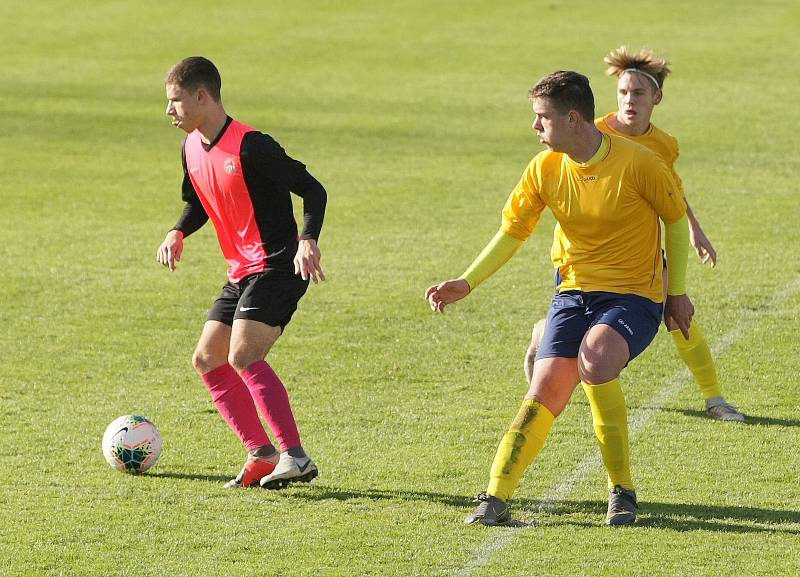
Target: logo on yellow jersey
[(591, 178)]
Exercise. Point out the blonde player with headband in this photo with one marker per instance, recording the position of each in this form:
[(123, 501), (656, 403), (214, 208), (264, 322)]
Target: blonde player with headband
[(639, 89)]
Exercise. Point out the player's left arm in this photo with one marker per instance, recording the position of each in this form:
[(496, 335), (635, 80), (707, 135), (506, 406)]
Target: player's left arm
[(678, 308), (315, 198), (660, 189), (193, 217), (699, 241), (293, 175)]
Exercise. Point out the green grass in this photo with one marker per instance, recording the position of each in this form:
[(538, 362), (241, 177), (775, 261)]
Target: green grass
[(414, 116)]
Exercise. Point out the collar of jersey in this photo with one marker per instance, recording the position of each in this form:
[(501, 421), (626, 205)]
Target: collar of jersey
[(218, 137), (602, 151)]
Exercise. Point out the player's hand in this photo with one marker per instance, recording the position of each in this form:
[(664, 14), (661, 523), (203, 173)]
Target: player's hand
[(678, 312), (306, 261), (443, 294), (170, 251), (702, 246)]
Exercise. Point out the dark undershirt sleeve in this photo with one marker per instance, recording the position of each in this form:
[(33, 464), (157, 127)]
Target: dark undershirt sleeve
[(279, 167), (194, 215)]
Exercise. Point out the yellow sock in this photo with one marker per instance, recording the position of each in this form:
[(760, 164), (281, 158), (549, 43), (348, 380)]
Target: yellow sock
[(518, 447), (697, 356), (611, 427)]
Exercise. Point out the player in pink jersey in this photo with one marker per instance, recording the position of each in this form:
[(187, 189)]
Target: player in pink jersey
[(241, 180)]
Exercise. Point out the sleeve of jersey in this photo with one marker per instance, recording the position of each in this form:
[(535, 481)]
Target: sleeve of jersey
[(292, 174), (679, 183), (675, 174), (194, 215), (497, 253), (676, 243), (524, 206), (658, 187)]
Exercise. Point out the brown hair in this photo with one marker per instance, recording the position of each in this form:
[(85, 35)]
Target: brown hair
[(567, 91), (621, 59), (193, 72)]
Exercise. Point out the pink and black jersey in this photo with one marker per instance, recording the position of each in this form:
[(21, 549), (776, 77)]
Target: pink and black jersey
[(242, 182)]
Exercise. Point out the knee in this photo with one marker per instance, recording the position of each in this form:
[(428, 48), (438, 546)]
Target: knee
[(530, 359), (533, 348), (530, 355), (594, 369), (205, 361), (251, 344), (536, 336), (241, 358)]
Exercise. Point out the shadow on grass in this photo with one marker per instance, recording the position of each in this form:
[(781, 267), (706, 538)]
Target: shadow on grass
[(685, 516), (189, 476), (671, 516), (751, 419), (324, 493)]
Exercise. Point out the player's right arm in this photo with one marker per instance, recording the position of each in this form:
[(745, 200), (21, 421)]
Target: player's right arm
[(520, 215), (193, 217), (170, 250)]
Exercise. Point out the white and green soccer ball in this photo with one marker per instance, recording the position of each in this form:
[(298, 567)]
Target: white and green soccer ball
[(131, 444)]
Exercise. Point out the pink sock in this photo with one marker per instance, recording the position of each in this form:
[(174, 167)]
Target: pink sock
[(272, 400), (235, 404)]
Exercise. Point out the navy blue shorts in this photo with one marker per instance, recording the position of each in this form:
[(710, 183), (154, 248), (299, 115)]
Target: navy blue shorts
[(269, 297), (572, 313)]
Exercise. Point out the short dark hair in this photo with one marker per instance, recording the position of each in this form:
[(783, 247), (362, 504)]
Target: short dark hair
[(193, 72), (567, 91)]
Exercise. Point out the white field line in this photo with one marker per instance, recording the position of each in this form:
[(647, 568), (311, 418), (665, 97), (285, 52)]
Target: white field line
[(486, 550)]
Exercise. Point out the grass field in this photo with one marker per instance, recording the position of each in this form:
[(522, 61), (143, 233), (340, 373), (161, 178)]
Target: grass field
[(414, 116)]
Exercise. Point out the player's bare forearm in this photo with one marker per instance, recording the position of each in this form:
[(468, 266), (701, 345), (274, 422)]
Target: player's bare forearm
[(697, 237), (690, 215)]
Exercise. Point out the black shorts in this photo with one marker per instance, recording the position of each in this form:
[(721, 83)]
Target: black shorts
[(269, 297)]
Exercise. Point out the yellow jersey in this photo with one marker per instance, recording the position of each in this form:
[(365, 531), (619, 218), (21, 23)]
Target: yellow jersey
[(662, 143), (607, 210)]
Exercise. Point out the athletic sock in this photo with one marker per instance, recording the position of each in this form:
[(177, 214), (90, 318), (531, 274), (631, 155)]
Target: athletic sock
[(234, 403), (272, 400), (611, 428), (266, 452), (297, 453), (697, 356), (518, 447)]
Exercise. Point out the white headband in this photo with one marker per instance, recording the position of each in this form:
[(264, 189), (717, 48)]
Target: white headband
[(650, 76)]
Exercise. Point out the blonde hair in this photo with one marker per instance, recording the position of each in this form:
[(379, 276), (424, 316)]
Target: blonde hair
[(621, 60)]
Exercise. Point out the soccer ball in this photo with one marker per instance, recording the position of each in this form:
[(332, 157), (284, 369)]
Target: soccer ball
[(131, 444)]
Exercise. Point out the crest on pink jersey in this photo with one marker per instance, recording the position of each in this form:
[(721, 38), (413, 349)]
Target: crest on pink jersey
[(229, 165)]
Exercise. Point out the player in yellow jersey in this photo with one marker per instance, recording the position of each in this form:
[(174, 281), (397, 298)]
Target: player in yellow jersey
[(639, 89), (608, 195)]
